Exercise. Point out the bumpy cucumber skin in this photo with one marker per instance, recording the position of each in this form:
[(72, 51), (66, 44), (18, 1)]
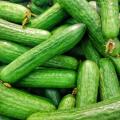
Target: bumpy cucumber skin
[(51, 78), (67, 102), (87, 84), (83, 12), (18, 104), (13, 12), (55, 45), (109, 85), (53, 95), (49, 18), (109, 11), (28, 36)]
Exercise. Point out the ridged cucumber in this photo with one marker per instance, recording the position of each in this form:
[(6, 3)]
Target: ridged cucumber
[(55, 45), (109, 85), (28, 36), (49, 18), (18, 104), (87, 84), (67, 102), (9, 51)]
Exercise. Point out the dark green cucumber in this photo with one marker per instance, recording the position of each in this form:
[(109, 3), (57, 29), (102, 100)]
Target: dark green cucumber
[(51, 78), (109, 12), (83, 12), (13, 12), (9, 51), (87, 84), (28, 36), (67, 102), (57, 44), (49, 18), (41, 2), (53, 95), (106, 110), (18, 104), (109, 85)]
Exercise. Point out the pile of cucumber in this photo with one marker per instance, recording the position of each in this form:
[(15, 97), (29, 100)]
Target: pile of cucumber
[(59, 60)]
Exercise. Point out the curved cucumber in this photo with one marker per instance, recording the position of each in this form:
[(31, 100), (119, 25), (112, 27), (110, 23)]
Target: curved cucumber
[(49, 18), (18, 104), (67, 102), (109, 85), (51, 78), (55, 45), (28, 36), (87, 84), (13, 12)]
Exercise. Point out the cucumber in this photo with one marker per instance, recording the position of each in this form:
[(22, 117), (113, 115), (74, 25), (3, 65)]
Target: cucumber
[(50, 78), (109, 85), (29, 36), (5, 118), (55, 45), (17, 1), (87, 84), (9, 51), (109, 12), (14, 12), (67, 102), (18, 104), (49, 18), (41, 2), (106, 110), (83, 12), (54, 95)]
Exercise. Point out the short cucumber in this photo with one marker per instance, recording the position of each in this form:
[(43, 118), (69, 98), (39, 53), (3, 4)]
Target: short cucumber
[(109, 12), (14, 12), (87, 84), (28, 36), (57, 44), (106, 110), (49, 18), (67, 102), (9, 51), (109, 85), (83, 12), (18, 104), (50, 78), (53, 95)]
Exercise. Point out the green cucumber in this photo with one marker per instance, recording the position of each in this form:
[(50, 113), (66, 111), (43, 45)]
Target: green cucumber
[(18, 104), (83, 12), (67, 102), (109, 12), (9, 51), (49, 18), (57, 44), (40, 2), (106, 110), (53, 95), (13, 12), (50, 78), (28, 36), (17, 1), (87, 84), (109, 85)]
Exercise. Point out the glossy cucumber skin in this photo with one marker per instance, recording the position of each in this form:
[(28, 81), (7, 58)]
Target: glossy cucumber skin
[(87, 84), (106, 110), (55, 45), (9, 51), (18, 104), (13, 12), (83, 12), (51, 78), (109, 11), (53, 95), (109, 84), (49, 18), (28, 36), (67, 102)]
